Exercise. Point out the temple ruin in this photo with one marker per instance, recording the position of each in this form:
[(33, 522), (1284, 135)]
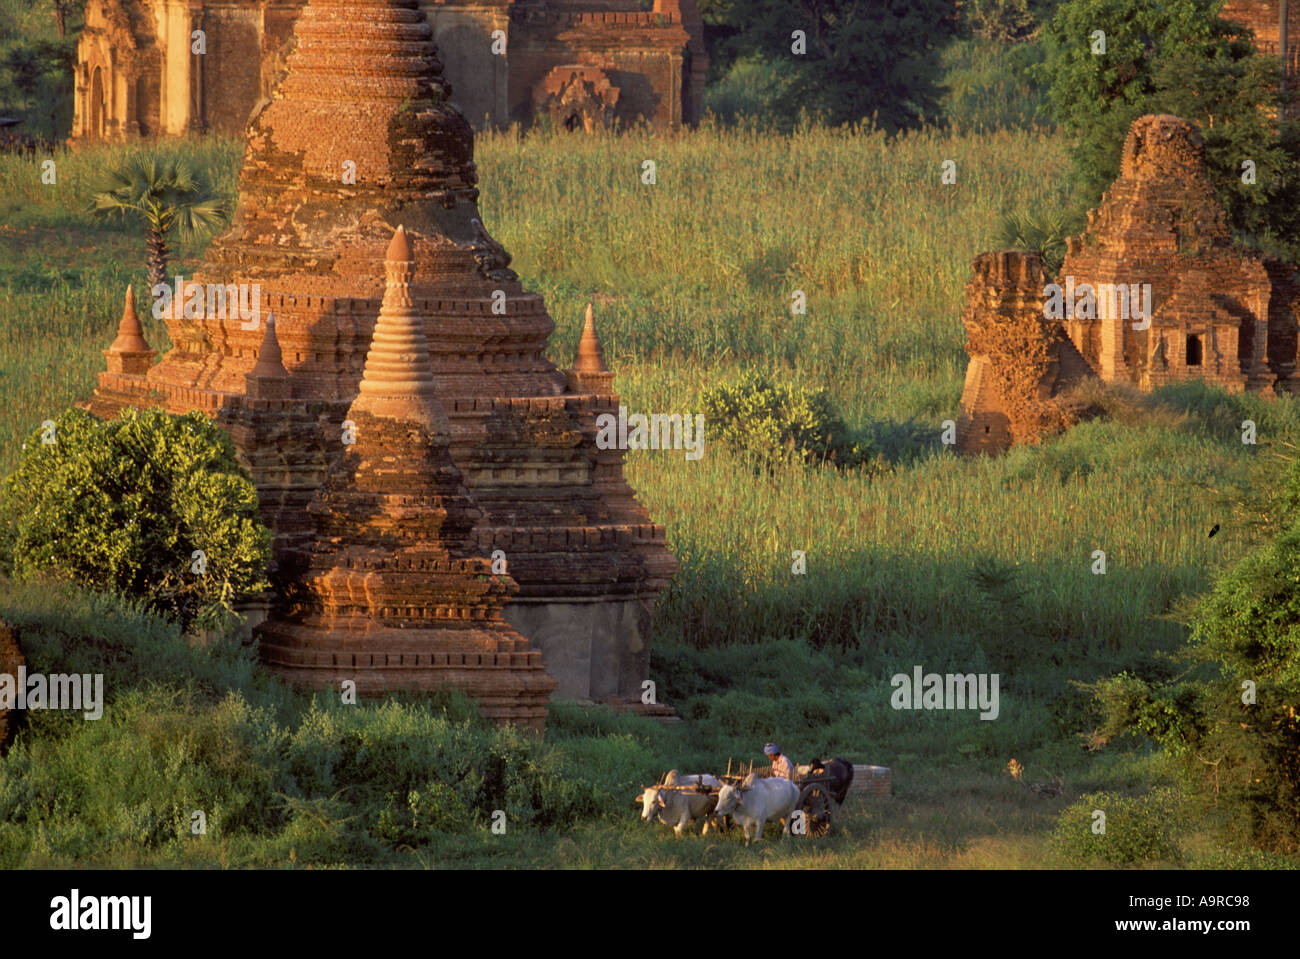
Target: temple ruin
[(1221, 313), (1022, 365), (553, 510), (585, 64), (1158, 244)]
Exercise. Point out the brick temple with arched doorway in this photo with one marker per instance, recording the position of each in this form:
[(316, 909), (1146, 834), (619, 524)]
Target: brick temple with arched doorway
[(581, 64)]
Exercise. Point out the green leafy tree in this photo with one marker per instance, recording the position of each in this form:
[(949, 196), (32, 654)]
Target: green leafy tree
[(1004, 20), (65, 10), (125, 504), (36, 74), (1138, 830), (1233, 718), (864, 58), (1178, 57), (721, 30), (166, 194)]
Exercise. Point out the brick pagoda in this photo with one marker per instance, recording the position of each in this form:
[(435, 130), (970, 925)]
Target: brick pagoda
[(1220, 312), (395, 594), (364, 88)]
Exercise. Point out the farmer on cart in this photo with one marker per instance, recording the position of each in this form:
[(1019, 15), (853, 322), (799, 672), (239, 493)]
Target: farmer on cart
[(781, 765)]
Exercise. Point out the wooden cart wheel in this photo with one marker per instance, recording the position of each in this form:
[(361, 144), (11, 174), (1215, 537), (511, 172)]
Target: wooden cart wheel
[(816, 803)]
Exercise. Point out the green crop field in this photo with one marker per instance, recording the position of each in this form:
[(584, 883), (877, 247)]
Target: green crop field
[(951, 564)]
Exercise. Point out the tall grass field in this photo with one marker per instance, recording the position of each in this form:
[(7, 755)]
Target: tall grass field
[(952, 564)]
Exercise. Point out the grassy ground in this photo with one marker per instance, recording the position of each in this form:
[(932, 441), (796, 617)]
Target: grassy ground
[(954, 565)]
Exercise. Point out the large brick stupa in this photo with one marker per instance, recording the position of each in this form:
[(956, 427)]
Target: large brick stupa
[(363, 94)]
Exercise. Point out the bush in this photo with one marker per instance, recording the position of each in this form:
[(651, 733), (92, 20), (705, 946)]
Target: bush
[(775, 424), (128, 504), (411, 772), (1235, 857), (864, 59), (988, 86), (748, 93), (1239, 744), (1136, 831)]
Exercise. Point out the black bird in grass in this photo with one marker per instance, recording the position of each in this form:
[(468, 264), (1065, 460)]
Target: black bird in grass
[(1213, 531)]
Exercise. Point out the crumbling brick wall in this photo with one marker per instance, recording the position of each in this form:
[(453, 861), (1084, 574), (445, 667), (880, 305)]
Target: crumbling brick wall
[(1021, 362)]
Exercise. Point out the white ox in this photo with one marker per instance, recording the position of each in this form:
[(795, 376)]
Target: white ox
[(679, 807), (757, 801)]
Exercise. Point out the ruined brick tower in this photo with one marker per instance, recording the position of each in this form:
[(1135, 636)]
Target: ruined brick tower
[(1155, 291), (363, 92), (1022, 365)]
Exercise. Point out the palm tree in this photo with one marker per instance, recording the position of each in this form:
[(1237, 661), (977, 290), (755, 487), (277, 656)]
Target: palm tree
[(167, 194), (1044, 233)]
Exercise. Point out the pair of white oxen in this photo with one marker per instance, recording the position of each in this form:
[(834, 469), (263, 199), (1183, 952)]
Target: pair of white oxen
[(679, 800)]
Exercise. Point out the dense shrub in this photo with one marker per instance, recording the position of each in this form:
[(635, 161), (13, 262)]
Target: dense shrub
[(988, 86), (412, 773), (149, 504), (1000, 19), (774, 424), (35, 75), (1137, 830)]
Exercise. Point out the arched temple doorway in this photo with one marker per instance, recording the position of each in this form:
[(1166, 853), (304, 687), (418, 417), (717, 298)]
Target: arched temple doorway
[(97, 103)]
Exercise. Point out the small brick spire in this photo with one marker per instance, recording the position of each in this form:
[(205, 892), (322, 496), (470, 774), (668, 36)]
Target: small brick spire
[(130, 334), (268, 379), (591, 355), (129, 353), (398, 379), (399, 247), (589, 373), (270, 362)]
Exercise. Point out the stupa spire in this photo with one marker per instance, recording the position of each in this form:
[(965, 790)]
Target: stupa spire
[(589, 373), (130, 334), (268, 379), (398, 379), (591, 355), (129, 353), (270, 362)]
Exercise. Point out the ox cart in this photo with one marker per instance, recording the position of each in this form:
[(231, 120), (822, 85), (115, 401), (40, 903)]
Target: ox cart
[(678, 800), (822, 789)]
